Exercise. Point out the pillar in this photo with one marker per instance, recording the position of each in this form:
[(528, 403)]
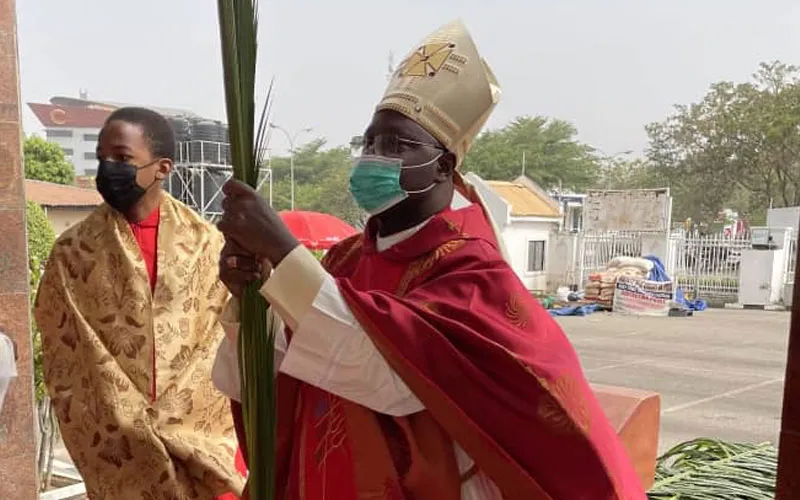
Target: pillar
[(788, 487), (18, 475)]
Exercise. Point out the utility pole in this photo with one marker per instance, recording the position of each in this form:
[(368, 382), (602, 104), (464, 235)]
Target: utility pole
[(291, 139)]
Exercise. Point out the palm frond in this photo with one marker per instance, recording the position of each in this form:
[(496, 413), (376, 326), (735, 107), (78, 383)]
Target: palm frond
[(238, 23), (709, 469)]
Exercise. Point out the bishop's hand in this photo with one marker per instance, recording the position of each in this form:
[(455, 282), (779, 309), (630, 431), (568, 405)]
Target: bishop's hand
[(250, 223), (237, 268)]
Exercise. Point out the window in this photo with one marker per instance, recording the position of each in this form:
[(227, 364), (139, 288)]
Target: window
[(90, 155), (58, 132), (90, 137), (67, 151), (536, 256)]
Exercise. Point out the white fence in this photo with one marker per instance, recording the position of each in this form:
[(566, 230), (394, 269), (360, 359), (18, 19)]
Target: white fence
[(791, 261), (705, 266)]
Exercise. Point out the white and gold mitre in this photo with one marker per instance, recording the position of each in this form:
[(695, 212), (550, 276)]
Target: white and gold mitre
[(446, 87)]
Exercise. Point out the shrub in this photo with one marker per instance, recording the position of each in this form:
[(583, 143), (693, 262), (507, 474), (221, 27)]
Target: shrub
[(41, 238)]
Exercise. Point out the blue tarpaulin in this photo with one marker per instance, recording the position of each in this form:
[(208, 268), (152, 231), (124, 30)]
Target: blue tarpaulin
[(692, 305), (583, 310), (659, 273)]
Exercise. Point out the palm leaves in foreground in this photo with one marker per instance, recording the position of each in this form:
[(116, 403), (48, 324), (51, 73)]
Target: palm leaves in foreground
[(238, 26), (708, 469)]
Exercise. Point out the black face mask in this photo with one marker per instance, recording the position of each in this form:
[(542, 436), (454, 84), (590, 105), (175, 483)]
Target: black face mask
[(116, 183)]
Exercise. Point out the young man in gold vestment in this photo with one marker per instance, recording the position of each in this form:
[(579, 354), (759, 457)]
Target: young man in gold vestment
[(128, 308)]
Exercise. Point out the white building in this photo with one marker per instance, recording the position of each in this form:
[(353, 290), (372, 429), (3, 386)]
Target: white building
[(74, 125), (525, 216), (571, 205)]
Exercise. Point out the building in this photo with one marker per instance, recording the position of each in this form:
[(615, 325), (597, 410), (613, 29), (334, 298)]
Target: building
[(202, 163), (525, 215), (74, 123), (64, 205), (571, 205)]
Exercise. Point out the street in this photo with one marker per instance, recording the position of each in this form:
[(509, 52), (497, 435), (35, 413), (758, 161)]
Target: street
[(720, 373)]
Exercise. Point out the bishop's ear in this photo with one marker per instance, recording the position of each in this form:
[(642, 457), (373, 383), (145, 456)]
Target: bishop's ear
[(447, 165)]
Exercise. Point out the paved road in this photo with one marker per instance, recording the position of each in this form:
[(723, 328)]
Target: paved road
[(720, 373)]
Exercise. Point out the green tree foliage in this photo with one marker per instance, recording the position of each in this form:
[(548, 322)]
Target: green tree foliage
[(321, 182), (739, 147), (618, 173), (45, 161), (553, 155), (41, 238)]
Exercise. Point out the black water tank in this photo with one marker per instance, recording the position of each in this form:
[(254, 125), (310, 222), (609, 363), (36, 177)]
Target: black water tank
[(203, 134), (181, 127), (182, 134)]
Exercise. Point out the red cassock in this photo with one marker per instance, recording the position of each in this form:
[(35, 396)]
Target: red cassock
[(495, 372)]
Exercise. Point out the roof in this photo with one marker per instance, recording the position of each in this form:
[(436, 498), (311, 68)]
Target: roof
[(51, 115), (53, 195), (71, 112), (524, 201), (85, 181), (111, 105)]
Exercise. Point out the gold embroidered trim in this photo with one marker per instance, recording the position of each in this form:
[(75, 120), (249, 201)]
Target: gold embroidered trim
[(426, 263)]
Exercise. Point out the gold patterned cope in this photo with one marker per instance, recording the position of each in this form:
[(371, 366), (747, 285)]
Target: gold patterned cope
[(104, 336)]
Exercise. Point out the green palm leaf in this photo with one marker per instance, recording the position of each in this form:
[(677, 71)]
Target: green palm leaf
[(709, 469), (238, 23)]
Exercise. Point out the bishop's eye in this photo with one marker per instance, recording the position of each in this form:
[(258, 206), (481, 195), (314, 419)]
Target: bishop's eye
[(386, 145)]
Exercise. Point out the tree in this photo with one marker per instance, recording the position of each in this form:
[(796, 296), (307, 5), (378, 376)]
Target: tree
[(41, 238), (321, 182), (617, 173), (738, 148), (553, 155), (45, 161)]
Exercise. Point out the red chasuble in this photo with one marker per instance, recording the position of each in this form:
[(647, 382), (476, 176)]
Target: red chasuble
[(494, 371)]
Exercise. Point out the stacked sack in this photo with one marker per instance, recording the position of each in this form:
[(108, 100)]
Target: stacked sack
[(600, 286)]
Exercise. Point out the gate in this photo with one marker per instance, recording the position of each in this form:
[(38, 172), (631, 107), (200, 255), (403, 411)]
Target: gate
[(707, 266), (598, 249)]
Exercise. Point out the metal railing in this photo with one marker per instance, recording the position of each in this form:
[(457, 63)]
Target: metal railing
[(210, 153), (598, 249), (791, 261), (707, 266)]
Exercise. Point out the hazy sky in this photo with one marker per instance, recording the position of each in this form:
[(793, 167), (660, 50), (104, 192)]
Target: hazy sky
[(608, 66)]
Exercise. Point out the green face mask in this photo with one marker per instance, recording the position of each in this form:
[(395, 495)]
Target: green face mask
[(375, 182)]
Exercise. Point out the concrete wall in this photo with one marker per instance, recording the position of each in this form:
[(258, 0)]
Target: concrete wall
[(563, 260), (783, 217), (18, 479), (62, 219)]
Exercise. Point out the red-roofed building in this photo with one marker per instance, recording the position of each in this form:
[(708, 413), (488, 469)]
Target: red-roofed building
[(74, 123), (75, 129), (64, 205)]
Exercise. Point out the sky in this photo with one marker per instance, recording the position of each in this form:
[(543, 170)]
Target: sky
[(609, 67)]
